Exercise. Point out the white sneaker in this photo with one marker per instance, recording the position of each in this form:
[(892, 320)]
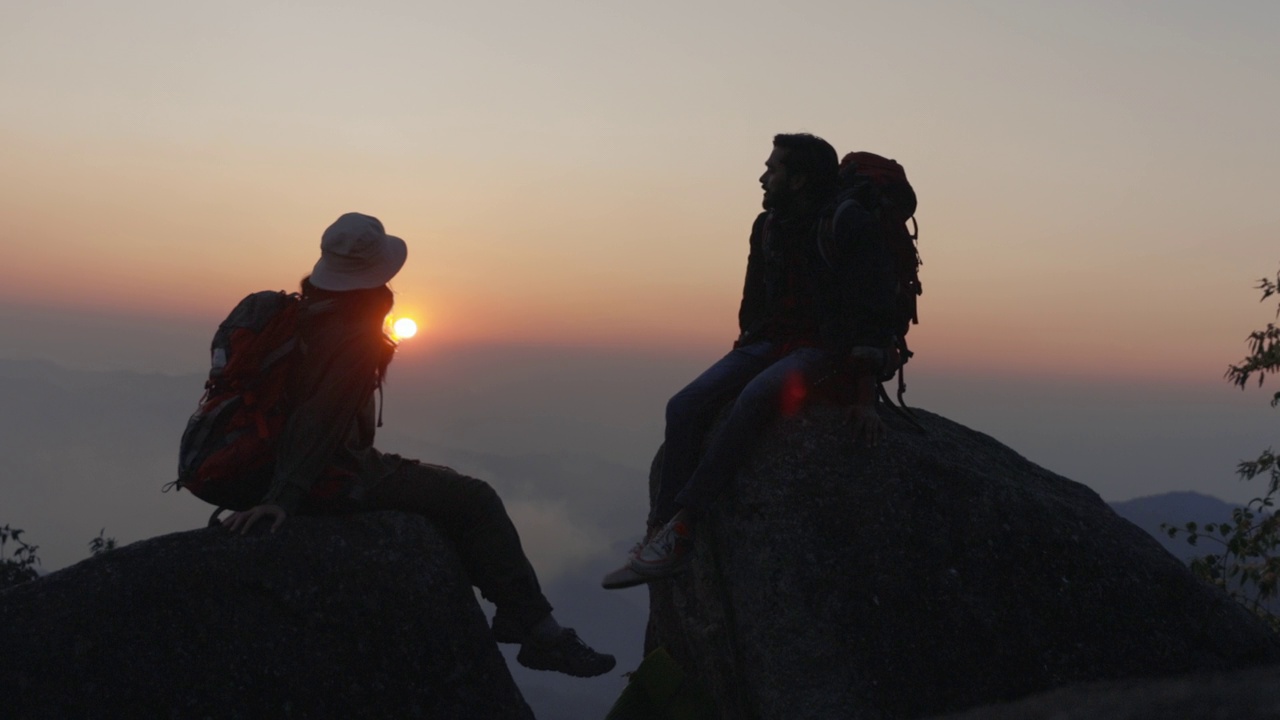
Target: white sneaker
[(666, 552)]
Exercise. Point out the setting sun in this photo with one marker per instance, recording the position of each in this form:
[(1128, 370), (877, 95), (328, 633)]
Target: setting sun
[(404, 328)]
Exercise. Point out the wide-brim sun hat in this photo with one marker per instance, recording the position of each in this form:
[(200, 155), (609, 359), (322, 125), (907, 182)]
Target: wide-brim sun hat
[(356, 253)]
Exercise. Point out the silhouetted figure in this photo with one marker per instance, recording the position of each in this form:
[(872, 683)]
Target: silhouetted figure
[(816, 302), (326, 462)]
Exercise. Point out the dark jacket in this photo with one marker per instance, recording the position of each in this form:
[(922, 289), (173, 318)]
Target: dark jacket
[(811, 284), (325, 455)]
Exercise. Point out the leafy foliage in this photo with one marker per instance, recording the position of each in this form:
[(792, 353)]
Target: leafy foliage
[(101, 544), (18, 566), (1264, 348), (1247, 565)]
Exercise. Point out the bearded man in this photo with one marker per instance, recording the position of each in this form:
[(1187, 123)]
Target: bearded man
[(818, 292)]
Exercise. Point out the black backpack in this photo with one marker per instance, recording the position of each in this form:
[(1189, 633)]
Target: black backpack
[(880, 186)]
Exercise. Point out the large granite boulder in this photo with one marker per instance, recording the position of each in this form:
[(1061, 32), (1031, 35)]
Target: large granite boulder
[(363, 616), (1252, 693), (934, 573)]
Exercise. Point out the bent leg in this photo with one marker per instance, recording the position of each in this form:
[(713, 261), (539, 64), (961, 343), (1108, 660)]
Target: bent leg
[(691, 411), (781, 385), (470, 513)]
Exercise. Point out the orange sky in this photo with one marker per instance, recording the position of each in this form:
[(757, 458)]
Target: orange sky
[(1097, 182)]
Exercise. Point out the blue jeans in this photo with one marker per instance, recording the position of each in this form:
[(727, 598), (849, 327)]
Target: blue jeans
[(765, 386)]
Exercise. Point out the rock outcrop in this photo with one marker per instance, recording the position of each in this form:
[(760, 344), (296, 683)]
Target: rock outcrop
[(932, 574), (364, 616), (1252, 693)]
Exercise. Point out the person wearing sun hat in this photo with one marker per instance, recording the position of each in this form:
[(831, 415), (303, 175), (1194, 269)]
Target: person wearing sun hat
[(356, 253), (326, 462)]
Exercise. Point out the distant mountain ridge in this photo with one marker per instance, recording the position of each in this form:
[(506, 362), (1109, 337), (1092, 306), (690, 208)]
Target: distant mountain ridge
[(1175, 509)]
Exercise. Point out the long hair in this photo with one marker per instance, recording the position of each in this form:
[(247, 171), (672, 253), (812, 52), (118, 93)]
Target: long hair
[(369, 305), (813, 158)]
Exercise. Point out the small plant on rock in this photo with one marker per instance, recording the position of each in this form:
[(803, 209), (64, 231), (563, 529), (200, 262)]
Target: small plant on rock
[(101, 544), (17, 566)]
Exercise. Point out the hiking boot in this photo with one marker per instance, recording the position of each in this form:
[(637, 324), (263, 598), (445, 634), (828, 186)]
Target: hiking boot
[(564, 653), (666, 552)]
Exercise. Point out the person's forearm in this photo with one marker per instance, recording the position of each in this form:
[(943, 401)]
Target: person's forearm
[(864, 370)]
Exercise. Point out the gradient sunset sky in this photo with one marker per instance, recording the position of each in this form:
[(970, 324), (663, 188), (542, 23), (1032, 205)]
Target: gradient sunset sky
[(1097, 179), (1098, 184), (576, 181)]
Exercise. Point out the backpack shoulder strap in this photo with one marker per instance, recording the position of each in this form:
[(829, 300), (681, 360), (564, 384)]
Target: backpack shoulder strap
[(827, 231)]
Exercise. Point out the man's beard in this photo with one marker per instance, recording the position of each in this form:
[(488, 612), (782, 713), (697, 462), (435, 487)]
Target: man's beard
[(778, 201)]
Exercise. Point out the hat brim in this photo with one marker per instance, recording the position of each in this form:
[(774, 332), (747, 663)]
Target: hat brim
[(331, 273)]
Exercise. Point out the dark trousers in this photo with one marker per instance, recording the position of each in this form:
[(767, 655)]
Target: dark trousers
[(472, 516), (761, 386)]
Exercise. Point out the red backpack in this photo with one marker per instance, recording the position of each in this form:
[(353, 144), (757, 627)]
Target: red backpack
[(227, 453)]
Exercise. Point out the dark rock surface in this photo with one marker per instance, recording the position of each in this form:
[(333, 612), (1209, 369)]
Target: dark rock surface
[(1249, 694), (363, 616), (934, 573)]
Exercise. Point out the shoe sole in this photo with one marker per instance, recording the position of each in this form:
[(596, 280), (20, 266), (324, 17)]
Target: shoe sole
[(627, 576), (624, 577), (548, 668)]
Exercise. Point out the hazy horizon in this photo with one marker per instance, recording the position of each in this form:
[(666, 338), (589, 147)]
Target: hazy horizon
[(490, 410)]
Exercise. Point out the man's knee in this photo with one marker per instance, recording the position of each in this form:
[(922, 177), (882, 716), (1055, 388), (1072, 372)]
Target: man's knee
[(489, 498), (476, 506), (478, 494), (678, 409), (758, 396), (454, 488)]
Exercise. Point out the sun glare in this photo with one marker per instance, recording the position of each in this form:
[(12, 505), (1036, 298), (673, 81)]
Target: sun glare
[(404, 328)]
